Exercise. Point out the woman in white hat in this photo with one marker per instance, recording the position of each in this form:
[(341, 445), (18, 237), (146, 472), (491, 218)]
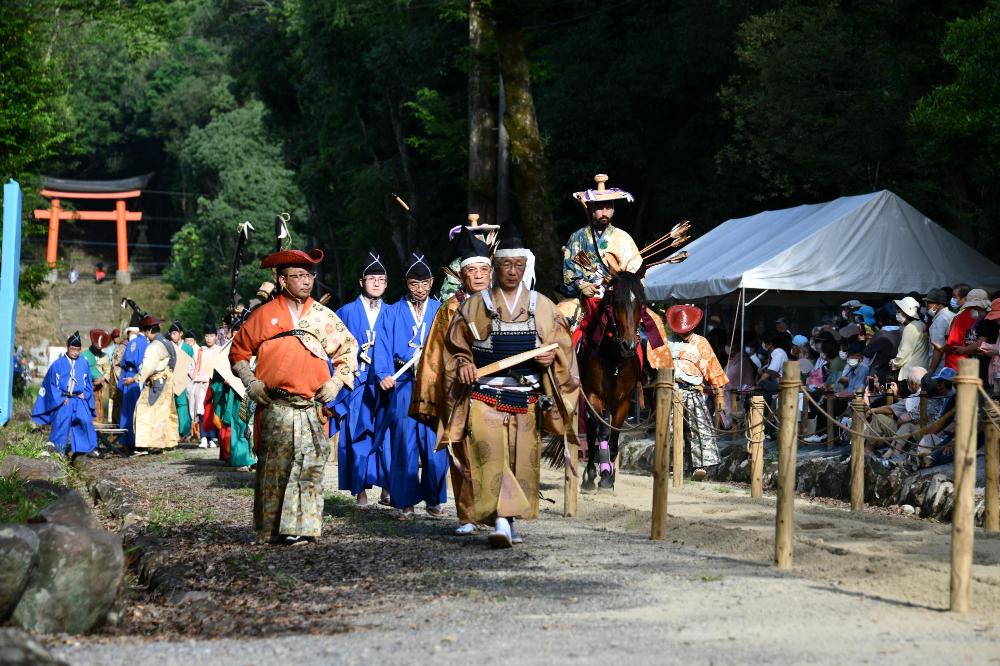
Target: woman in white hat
[(913, 346)]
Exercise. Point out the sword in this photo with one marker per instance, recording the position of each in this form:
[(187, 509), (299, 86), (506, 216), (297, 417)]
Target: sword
[(407, 365)]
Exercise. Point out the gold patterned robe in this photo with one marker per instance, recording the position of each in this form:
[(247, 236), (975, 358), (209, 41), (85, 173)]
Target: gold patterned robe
[(503, 450), (156, 424)]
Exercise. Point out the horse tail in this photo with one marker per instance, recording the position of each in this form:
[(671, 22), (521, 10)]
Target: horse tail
[(554, 452)]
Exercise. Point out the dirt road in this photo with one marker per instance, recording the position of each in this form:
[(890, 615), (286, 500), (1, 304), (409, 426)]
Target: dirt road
[(865, 589)]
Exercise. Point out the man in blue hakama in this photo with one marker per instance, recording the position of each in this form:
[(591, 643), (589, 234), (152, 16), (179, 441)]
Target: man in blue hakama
[(135, 349), (66, 402), (417, 473), (361, 462)]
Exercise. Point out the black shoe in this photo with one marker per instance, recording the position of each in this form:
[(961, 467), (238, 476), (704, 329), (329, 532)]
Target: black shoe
[(607, 482)]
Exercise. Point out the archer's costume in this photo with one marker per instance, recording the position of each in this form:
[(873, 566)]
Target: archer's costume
[(66, 402), (155, 410), (695, 366), (429, 402), (131, 361), (292, 363), (361, 462), (417, 472), (495, 422)]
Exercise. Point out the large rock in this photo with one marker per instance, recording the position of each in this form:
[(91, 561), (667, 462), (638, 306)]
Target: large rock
[(42, 469), (72, 510), (19, 649), (18, 551), (75, 582)]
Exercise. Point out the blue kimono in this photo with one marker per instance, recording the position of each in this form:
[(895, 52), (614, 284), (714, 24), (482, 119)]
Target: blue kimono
[(73, 421), (360, 463), (131, 362), (397, 337)]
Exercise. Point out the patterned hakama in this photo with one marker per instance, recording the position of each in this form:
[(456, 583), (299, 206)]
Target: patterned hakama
[(506, 461), (156, 424), (294, 448)]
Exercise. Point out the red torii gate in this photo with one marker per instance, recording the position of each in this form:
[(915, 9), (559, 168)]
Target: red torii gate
[(102, 190)]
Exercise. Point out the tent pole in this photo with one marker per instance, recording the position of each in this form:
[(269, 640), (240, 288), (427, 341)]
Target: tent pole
[(743, 325)]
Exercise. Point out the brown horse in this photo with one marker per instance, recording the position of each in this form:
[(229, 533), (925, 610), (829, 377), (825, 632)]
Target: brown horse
[(610, 368)]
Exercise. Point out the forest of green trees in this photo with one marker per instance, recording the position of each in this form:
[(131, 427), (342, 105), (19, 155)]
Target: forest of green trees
[(323, 108)]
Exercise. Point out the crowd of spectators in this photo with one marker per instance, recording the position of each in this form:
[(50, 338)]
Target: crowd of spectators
[(887, 352)]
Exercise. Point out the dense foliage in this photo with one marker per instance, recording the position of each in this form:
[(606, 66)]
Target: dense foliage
[(324, 108)]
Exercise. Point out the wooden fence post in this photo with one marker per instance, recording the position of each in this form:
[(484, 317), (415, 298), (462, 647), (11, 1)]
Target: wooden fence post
[(831, 424), (858, 453), (677, 446), (757, 446), (890, 397), (784, 521), (661, 464), (991, 522), (963, 515)]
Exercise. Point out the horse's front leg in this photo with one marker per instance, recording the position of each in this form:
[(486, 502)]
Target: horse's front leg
[(617, 418)]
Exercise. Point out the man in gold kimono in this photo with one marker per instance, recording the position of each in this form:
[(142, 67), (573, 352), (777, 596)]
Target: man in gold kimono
[(494, 420), (429, 402), (155, 410)]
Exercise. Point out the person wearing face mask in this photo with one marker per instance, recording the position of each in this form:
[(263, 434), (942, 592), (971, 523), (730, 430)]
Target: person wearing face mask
[(959, 294), (884, 344), (852, 379), (963, 336), (913, 347), (939, 322)]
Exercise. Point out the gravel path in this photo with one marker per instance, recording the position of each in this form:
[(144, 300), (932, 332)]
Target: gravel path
[(865, 589)]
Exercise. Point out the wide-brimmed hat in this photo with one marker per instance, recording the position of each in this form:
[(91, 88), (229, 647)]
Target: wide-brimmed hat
[(937, 296), (99, 338), (682, 319), (994, 312), (977, 298), (149, 321), (602, 192), (909, 306), (292, 258)]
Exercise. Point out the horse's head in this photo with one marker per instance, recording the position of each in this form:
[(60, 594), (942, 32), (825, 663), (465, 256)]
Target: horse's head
[(627, 298)]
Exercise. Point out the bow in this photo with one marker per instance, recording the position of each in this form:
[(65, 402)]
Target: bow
[(244, 231)]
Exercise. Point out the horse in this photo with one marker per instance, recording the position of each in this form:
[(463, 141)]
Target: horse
[(610, 368)]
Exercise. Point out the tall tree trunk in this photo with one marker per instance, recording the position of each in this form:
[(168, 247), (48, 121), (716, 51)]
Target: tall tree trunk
[(482, 116), (503, 159), (527, 155)]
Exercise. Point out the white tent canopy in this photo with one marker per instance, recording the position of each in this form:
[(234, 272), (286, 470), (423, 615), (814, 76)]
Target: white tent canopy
[(871, 243)]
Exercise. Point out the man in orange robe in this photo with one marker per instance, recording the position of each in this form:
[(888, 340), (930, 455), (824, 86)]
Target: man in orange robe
[(293, 337)]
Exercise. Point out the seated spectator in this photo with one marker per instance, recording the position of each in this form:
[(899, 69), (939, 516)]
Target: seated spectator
[(935, 447), (797, 352), (912, 351), (853, 379), (770, 374), (99, 273), (900, 419), (939, 321), (73, 276)]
